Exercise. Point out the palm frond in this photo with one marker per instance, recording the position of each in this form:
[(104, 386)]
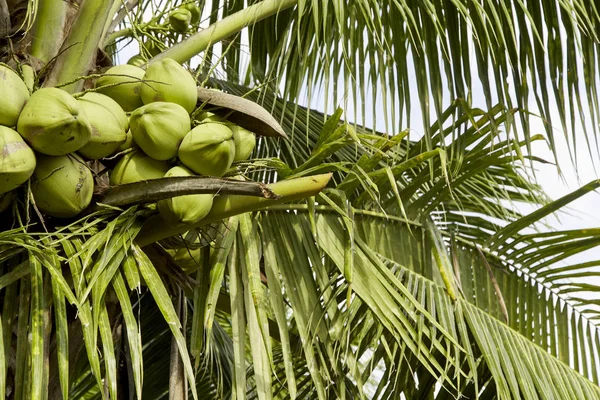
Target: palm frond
[(518, 54)]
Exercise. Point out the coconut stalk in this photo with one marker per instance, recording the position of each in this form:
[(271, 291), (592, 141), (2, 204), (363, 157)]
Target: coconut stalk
[(165, 188), (121, 15), (156, 228), (195, 44), (113, 11), (79, 49), (48, 30)]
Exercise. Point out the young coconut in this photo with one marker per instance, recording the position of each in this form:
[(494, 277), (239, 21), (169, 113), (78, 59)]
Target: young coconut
[(17, 161), (115, 109), (168, 81), (187, 209), (122, 83), (137, 60), (158, 128), (244, 140), (128, 144), (208, 149), (109, 125), (14, 96), (54, 123), (188, 259), (194, 11), (208, 116), (62, 186), (136, 167), (153, 47), (180, 20)]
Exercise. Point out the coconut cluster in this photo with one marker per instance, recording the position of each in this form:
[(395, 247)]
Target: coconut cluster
[(49, 137)]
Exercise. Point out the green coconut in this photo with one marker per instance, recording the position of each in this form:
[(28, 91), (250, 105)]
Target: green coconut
[(187, 209), (62, 186), (17, 161), (194, 11), (244, 140), (54, 123), (137, 60), (187, 259), (128, 144), (208, 116), (109, 125), (14, 95), (6, 200), (208, 149), (122, 83), (168, 81), (111, 105), (158, 128), (136, 167), (152, 46), (180, 20)]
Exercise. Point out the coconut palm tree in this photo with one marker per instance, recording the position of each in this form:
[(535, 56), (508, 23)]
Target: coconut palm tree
[(345, 261)]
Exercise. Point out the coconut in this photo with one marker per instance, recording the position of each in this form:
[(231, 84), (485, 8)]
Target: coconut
[(17, 160), (153, 47), (62, 186), (208, 116), (187, 259), (137, 60), (187, 209), (168, 81), (109, 125), (194, 11), (14, 96), (244, 140), (180, 20), (158, 128), (136, 167), (113, 107), (208, 149), (6, 200), (122, 83), (54, 123), (128, 144)]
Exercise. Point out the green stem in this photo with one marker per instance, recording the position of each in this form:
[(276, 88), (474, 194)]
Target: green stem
[(115, 35), (224, 28), (48, 31), (156, 229), (81, 45)]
